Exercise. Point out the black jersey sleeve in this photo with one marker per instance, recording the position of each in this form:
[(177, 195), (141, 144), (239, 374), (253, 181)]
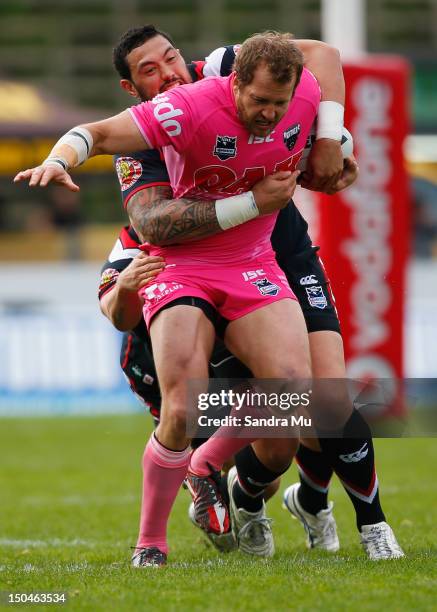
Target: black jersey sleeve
[(126, 247), (138, 171)]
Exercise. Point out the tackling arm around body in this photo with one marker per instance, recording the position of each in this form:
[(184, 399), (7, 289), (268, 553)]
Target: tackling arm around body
[(121, 304), (161, 220)]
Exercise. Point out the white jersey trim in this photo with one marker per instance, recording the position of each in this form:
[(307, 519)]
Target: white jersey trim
[(118, 252), (213, 63)]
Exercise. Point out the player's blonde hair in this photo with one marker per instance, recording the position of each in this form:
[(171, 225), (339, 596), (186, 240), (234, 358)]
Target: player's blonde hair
[(275, 49)]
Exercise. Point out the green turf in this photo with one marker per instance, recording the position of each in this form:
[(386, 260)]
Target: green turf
[(69, 502)]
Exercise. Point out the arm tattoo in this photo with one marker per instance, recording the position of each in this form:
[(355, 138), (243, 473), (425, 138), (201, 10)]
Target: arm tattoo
[(161, 220)]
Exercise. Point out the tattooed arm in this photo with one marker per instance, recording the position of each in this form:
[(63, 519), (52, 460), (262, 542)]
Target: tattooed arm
[(162, 221)]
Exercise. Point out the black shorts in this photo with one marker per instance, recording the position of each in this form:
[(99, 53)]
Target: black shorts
[(136, 361), (309, 282)]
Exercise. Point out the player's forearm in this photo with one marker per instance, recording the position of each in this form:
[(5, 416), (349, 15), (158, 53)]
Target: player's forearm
[(123, 308), (163, 221), (117, 134), (324, 62)]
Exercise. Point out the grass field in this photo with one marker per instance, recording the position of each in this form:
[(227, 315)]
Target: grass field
[(69, 491)]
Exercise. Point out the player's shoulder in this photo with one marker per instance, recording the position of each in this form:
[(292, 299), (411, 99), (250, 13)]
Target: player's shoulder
[(308, 87), (190, 90), (201, 98), (220, 61), (145, 156)]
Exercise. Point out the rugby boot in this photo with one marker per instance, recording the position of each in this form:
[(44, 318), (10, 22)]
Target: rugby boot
[(379, 542), (150, 556), (224, 543), (321, 528), (210, 510), (252, 530)]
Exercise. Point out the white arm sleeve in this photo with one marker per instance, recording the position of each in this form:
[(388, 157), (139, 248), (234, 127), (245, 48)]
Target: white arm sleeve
[(214, 62)]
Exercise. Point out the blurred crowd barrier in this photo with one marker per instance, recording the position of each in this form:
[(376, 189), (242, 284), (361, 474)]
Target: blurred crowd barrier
[(61, 356), (58, 352)]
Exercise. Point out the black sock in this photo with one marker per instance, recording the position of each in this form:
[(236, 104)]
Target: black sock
[(314, 473), (351, 455), (253, 479)]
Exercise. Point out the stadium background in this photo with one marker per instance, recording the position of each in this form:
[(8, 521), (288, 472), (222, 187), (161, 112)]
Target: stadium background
[(56, 71), (60, 356)]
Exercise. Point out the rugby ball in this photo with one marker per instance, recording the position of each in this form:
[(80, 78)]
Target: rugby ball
[(347, 146)]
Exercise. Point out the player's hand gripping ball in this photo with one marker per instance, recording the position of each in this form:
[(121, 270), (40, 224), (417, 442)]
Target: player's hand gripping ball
[(347, 147)]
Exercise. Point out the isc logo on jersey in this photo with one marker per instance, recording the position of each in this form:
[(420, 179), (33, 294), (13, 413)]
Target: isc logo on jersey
[(165, 113)]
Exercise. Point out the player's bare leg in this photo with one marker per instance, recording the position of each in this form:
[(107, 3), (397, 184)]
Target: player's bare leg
[(182, 337), (273, 343)]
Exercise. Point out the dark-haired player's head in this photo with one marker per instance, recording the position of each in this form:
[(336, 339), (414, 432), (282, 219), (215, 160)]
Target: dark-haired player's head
[(268, 68), (148, 62)]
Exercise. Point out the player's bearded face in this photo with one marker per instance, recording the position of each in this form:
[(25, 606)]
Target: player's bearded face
[(156, 66), (262, 103)]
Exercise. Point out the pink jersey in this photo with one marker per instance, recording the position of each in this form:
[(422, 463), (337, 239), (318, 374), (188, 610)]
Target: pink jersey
[(209, 154)]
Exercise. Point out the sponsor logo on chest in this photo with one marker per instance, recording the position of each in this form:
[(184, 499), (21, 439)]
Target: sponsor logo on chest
[(166, 114)]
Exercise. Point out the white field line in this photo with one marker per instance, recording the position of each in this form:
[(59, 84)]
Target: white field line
[(80, 500), (51, 542), (119, 500)]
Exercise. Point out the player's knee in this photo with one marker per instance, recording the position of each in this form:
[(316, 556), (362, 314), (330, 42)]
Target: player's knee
[(297, 371), (184, 366), (331, 405), (174, 418)]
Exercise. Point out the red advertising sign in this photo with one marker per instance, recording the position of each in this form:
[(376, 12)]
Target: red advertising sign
[(364, 231)]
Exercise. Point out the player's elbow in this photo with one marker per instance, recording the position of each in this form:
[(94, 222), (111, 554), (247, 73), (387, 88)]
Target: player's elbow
[(123, 322), (117, 316), (319, 49), (333, 52)]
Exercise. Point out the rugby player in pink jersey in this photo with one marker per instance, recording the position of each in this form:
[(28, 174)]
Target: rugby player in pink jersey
[(261, 91), (266, 322)]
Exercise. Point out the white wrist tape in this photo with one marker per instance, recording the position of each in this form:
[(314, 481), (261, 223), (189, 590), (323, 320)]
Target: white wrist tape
[(56, 161), (80, 140), (330, 119), (236, 210)]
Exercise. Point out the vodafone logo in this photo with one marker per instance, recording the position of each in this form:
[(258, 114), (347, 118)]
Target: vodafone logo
[(165, 113), (370, 249)]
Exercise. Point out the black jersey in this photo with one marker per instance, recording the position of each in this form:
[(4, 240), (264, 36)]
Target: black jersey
[(136, 357)]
